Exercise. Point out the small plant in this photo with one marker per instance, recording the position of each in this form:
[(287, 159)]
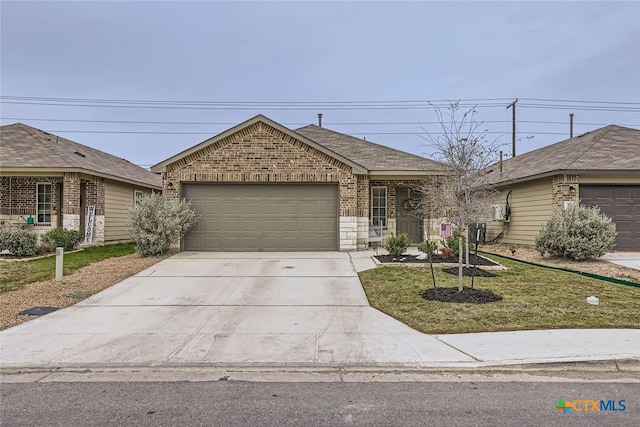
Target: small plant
[(19, 243), (396, 244), (446, 253), (158, 221), (67, 239), (428, 247), (451, 243), (44, 249), (79, 294), (577, 233)]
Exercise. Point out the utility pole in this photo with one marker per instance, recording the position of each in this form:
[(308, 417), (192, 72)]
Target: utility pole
[(513, 127)]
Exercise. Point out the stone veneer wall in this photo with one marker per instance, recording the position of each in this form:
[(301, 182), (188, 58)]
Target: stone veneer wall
[(262, 154)]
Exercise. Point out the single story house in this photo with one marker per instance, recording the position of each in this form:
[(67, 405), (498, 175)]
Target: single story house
[(47, 181), (599, 168), (260, 186)]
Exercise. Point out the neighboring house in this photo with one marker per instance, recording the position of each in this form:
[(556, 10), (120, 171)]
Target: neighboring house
[(600, 168), (51, 182), (261, 186)]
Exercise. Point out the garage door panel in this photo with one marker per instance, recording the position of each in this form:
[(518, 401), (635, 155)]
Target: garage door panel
[(270, 217), (622, 204)]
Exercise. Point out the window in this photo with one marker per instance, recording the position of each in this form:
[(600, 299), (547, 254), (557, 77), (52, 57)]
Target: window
[(379, 206), (43, 203), (137, 195)]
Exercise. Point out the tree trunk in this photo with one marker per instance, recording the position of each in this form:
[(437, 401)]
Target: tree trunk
[(460, 282), (466, 249)]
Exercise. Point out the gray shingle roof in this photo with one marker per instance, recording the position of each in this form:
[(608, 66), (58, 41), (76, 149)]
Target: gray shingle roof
[(25, 147), (610, 149), (368, 154)]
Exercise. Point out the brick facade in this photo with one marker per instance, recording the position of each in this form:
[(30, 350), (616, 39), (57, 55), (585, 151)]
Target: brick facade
[(18, 194), (261, 153), (18, 199), (561, 191)]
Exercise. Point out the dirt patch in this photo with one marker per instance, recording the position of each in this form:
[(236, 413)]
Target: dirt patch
[(74, 288), (467, 295), (468, 272), (412, 259), (602, 268)]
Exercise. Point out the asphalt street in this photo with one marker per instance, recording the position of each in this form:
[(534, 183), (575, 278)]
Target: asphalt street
[(234, 403)]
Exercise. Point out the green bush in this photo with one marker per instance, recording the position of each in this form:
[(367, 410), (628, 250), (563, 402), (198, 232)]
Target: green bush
[(397, 244), (67, 239), (157, 222), (577, 233), (428, 247), (19, 243), (451, 243)]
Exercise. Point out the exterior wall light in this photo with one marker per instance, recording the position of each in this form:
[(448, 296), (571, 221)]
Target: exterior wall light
[(170, 186), (572, 190)]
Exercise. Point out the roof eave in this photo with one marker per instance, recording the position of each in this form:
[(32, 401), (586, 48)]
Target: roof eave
[(565, 172), (80, 170), (406, 172)]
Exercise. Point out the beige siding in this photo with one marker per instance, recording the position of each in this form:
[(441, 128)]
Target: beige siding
[(531, 207), (118, 201)]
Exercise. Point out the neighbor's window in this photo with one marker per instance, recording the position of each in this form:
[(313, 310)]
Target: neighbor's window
[(43, 203), (379, 206), (137, 195)]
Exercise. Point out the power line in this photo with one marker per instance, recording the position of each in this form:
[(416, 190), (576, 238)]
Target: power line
[(297, 123), (215, 133)]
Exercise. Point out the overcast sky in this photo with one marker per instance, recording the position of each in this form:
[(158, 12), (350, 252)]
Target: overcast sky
[(326, 54)]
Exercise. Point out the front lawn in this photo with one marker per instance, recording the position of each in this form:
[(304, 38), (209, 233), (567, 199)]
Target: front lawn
[(533, 298), (15, 274)]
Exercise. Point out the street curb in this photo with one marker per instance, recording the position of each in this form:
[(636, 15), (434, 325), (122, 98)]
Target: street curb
[(611, 365)]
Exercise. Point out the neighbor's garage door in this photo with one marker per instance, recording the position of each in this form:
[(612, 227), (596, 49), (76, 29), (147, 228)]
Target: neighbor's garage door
[(622, 204), (263, 217)]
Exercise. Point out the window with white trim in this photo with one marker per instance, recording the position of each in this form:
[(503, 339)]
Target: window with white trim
[(379, 206), (137, 196), (43, 203)]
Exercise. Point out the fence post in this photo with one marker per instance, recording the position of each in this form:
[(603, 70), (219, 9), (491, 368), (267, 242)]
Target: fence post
[(59, 256)]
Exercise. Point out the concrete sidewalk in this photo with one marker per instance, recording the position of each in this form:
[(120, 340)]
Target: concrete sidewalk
[(625, 259)]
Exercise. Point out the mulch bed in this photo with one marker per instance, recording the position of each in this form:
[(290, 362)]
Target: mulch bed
[(412, 259), (468, 272), (468, 295)]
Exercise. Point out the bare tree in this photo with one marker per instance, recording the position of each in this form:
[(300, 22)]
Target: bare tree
[(462, 195)]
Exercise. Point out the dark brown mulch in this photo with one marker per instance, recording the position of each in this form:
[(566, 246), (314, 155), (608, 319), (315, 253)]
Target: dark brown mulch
[(412, 259), (468, 272), (468, 295)]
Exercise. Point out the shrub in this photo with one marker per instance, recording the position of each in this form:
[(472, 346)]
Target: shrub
[(44, 249), (446, 253), (67, 239), (20, 243), (577, 233), (428, 247), (451, 243), (397, 244), (158, 221)]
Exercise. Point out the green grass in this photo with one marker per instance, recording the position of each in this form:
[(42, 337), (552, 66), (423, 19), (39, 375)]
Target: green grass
[(14, 275), (533, 298)]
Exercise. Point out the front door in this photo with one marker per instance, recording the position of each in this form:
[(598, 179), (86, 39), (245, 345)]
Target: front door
[(406, 223)]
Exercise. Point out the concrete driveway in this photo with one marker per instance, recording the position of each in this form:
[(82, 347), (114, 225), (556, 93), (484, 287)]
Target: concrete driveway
[(227, 308)]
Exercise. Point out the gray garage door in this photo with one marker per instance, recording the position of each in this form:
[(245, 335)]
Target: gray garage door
[(622, 204), (263, 217)]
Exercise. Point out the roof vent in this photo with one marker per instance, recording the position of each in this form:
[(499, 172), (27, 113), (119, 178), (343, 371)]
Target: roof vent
[(79, 154)]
